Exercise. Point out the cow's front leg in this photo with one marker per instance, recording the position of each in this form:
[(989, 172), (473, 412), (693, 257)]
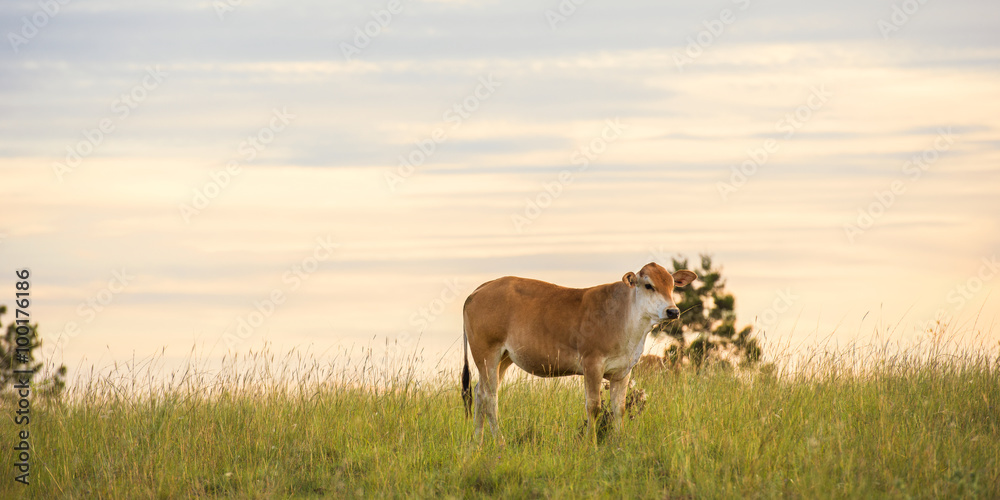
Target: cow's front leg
[(593, 374), (619, 388)]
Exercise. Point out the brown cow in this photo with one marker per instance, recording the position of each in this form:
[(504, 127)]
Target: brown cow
[(553, 331)]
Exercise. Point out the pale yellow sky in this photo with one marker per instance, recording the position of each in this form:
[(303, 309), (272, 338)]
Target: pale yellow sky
[(825, 124)]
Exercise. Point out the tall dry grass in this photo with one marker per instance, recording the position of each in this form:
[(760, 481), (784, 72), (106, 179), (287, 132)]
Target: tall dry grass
[(852, 423)]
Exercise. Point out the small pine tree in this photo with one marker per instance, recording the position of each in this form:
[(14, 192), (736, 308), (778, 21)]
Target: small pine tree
[(50, 387), (708, 313)]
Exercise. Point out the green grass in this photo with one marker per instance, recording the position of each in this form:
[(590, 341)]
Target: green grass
[(888, 426)]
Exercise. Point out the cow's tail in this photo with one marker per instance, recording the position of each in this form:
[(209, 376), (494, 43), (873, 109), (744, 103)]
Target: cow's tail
[(466, 376)]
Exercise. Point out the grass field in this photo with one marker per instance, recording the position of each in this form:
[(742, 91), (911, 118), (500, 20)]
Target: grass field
[(841, 426)]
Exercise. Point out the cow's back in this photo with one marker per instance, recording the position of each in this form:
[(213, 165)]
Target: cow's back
[(535, 321), (506, 301)]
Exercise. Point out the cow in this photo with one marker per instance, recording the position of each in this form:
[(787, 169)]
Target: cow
[(553, 331)]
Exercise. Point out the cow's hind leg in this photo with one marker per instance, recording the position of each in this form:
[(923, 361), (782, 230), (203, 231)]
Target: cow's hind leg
[(477, 419), (492, 406), (486, 395)]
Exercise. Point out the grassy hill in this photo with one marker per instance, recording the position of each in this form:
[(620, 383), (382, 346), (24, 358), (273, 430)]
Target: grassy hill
[(841, 426)]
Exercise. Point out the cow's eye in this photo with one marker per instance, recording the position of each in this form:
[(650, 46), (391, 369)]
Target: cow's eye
[(648, 286)]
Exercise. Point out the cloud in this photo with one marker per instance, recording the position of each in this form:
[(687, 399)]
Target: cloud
[(654, 187)]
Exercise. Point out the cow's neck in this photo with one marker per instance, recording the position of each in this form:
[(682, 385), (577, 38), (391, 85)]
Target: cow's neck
[(639, 322)]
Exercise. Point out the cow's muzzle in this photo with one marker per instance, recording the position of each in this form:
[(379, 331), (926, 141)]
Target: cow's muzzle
[(673, 313)]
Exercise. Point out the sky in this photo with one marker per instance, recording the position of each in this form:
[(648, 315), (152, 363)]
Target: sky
[(217, 175)]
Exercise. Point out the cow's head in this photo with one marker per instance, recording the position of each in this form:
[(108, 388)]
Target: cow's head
[(655, 290)]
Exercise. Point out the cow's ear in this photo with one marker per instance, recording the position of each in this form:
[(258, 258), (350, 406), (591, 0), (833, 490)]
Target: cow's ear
[(684, 277), (629, 279)]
